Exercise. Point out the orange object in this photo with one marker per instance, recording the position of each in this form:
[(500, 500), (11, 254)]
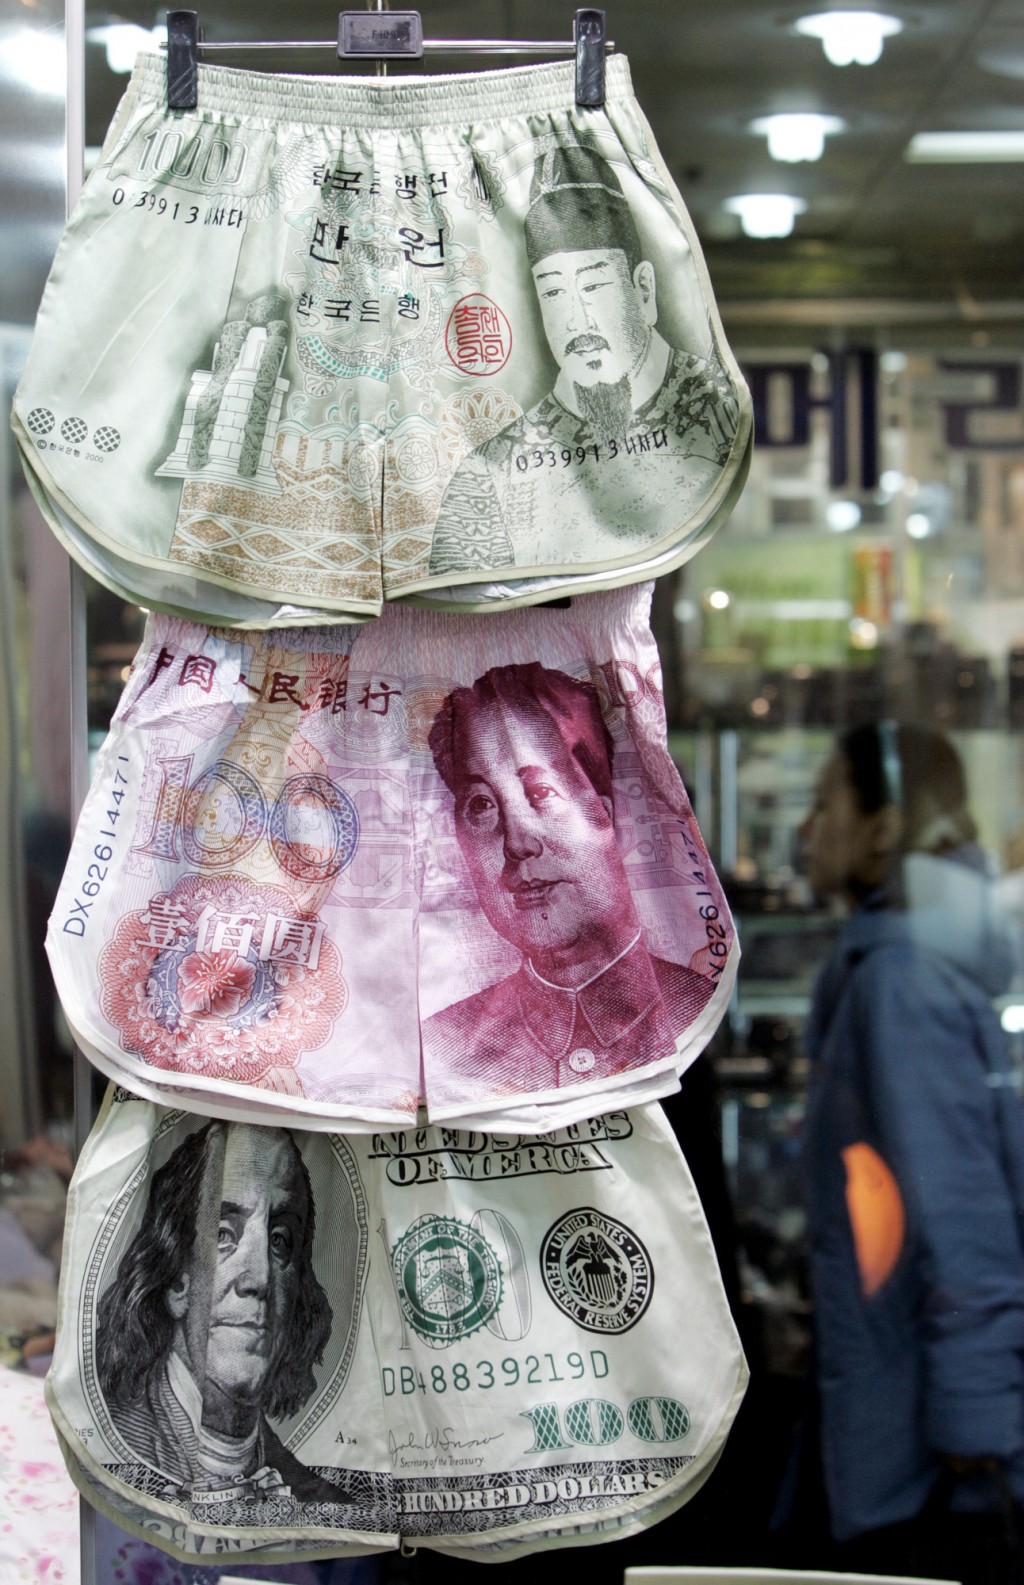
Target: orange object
[(872, 574), (877, 1218)]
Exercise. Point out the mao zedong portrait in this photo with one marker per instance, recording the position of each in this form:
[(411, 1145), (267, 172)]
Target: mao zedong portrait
[(618, 384), (528, 758), (216, 1318)]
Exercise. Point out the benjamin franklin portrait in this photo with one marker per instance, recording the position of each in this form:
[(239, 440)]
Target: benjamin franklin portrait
[(215, 1318)]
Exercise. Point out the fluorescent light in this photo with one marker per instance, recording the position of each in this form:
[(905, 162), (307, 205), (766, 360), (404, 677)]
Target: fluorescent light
[(799, 135), (766, 214), (850, 37), (123, 41), (807, 610), (965, 147), (1005, 60), (35, 59)]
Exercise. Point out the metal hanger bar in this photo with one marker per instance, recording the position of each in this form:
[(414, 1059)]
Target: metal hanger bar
[(384, 36), (430, 46)]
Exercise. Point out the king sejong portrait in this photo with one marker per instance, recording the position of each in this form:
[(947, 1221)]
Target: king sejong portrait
[(632, 438)]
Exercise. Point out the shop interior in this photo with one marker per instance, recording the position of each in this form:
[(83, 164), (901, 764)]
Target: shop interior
[(858, 203)]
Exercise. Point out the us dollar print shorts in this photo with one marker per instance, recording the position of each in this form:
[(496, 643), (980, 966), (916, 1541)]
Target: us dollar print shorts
[(286, 1344), (321, 344), (337, 874)]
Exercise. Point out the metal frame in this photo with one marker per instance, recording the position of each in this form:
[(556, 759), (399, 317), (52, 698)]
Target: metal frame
[(402, 40), (74, 171)]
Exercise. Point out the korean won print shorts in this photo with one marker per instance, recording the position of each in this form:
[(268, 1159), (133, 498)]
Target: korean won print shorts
[(337, 874), (325, 343)]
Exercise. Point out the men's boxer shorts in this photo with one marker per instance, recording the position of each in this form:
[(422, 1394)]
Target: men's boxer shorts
[(291, 1344), (333, 875), (325, 343)]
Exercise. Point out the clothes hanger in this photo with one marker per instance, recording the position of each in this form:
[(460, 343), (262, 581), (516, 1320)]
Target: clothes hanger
[(383, 36)]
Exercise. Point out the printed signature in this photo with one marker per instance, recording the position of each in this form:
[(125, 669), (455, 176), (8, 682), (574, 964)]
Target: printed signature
[(441, 1440)]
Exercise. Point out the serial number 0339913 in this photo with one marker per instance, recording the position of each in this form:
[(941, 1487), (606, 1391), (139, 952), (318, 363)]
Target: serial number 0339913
[(576, 456), (484, 1373)]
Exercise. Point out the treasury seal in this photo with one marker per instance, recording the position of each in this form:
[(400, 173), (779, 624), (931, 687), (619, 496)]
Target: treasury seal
[(596, 1270), (447, 1277)]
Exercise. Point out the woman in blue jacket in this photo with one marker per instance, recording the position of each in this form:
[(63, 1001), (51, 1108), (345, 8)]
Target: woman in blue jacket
[(914, 1151)]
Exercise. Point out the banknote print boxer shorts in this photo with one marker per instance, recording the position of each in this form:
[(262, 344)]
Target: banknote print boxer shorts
[(332, 875), (324, 343), (292, 1344)]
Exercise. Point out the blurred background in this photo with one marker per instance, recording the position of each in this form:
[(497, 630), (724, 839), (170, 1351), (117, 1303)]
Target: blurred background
[(858, 195)]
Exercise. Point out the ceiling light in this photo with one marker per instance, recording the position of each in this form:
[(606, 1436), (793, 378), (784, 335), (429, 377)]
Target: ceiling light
[(36, 60), (965, 148), (841, 516), (850, 37), (123, 41), (797, 136), (863, 634), (918, 525), (766, 214), (1004, 60)]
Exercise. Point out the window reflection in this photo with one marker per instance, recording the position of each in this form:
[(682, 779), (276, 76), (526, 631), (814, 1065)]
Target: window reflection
[(35, 1053), (856, 583), (873, 570)]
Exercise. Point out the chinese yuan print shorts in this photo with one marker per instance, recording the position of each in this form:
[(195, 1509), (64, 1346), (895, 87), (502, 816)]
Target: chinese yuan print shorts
[(325, 343), (333, 874), (434, 1336)]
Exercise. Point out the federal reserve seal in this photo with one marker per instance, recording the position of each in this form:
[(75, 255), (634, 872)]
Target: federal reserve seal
[(448, 1279), (596, 1271)]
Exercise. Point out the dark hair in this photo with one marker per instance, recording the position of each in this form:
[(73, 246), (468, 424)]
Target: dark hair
[(917, 769), (530, 690), (577, 204), (134, 1326)]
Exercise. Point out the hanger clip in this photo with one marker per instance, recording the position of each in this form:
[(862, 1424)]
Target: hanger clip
[(182, 60), (380, 35), (590, 52)]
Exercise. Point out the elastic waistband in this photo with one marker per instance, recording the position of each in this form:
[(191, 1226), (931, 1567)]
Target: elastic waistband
[(410, 637), (396, 102)]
